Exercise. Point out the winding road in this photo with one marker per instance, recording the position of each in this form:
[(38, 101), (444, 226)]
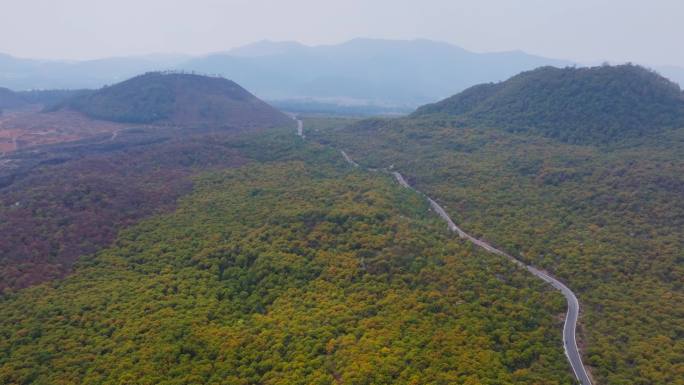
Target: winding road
[(570, 325)]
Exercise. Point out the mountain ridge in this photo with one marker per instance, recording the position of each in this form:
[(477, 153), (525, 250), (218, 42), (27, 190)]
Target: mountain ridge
[(397, 71), (400, 72)]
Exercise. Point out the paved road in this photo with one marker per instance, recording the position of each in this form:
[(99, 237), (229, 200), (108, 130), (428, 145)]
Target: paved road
[(348, 159), (570, 325), (569, 339), (300, 126)]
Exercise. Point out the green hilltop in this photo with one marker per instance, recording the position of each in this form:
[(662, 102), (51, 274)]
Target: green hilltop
[(178, 99), (575, 105)]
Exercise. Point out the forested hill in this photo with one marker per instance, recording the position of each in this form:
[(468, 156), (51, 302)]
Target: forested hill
[(575, 105), (178, 99), (287, 272)]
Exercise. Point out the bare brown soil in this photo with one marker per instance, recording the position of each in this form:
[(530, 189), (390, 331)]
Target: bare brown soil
[(30, 127)]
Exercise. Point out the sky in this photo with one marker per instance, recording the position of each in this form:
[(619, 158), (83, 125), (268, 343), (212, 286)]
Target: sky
[(586, 31)]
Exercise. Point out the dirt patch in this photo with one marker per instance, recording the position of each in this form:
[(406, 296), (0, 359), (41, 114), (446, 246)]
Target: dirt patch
[(30, 127)]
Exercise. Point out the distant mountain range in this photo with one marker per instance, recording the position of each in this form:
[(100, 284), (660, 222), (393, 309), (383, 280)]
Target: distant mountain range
[(386, 73), (378, 71), (27, 74)]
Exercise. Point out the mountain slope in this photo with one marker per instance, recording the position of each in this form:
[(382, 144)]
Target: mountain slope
[(179, 99), (577, 105)]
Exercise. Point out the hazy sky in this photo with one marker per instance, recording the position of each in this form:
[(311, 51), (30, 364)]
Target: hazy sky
[(647, 31)]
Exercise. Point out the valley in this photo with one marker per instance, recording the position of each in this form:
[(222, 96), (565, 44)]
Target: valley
[(173, 228), (351, 192)]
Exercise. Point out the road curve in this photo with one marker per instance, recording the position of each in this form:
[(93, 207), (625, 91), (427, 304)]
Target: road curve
[(570, 325)]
